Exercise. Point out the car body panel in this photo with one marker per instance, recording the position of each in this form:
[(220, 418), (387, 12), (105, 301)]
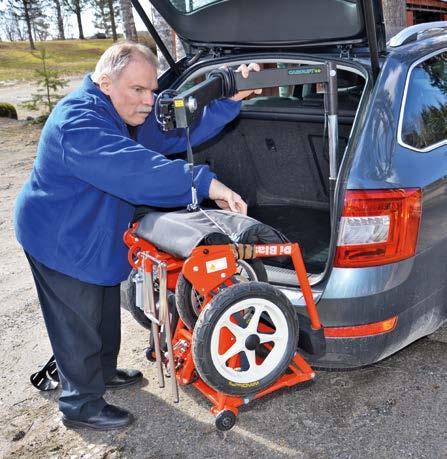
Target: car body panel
[(386, 164), (415, 289)]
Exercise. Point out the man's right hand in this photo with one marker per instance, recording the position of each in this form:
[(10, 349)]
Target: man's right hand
[(226, 198)]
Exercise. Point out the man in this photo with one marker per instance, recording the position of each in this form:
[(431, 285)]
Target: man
[(100, 154)]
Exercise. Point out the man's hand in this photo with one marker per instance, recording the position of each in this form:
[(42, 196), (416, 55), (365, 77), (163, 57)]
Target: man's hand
[(226, 198), (245, 72)]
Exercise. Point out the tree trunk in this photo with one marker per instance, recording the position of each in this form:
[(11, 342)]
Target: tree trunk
[(28, 23), (33, 28), (79, 19), (18, 28), (112, 20), (103, 17), (394, 16), (130, 31), (60, 20), (173, 45)]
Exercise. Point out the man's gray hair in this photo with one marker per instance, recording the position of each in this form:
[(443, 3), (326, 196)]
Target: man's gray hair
[(118, 56)]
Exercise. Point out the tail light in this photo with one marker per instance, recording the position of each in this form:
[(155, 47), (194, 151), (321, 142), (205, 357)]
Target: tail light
[(378, 227)]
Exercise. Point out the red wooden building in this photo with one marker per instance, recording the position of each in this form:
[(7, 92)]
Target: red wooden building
[(426, 11)]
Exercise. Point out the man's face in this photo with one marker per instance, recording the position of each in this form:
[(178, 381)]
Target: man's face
[(132, 92)]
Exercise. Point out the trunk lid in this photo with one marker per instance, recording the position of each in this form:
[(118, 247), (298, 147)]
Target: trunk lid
[(263, 24)]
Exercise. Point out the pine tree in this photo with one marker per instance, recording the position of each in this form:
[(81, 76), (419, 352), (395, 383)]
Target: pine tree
[(49, 82), (173, 44), (30, 12), (76, 7), (113, 12), (105, 12), (394, 16), (57, 4), (130, 31)]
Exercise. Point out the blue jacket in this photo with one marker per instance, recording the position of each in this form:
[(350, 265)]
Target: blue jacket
[(88, 176)]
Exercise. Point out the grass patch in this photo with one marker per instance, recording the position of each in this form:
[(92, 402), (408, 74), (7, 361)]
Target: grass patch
[(70, 57)]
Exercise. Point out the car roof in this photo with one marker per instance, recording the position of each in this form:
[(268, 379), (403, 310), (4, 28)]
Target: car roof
[(417, 49)]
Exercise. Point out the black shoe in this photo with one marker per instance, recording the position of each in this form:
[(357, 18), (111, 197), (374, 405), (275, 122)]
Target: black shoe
[(124, 378), (110, 417)]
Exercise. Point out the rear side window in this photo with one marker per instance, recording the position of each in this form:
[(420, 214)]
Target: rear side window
[(424, 122)]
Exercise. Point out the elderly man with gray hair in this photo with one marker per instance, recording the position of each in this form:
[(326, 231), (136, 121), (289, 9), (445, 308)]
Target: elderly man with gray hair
[(101, 154)]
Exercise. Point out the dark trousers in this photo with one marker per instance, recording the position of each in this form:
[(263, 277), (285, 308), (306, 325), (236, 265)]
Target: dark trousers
[(83, 324)]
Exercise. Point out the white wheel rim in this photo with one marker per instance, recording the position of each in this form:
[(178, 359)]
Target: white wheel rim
[(279, 338)]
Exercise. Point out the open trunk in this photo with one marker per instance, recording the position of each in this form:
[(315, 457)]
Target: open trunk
[(275, 154)]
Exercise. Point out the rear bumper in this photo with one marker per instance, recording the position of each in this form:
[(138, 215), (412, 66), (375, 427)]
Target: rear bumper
[(413, 323), (411, 290)]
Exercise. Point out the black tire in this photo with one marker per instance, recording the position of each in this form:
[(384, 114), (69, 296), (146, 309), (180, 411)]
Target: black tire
[(128, 293), (283, 315), (225, 420), (184, 292)]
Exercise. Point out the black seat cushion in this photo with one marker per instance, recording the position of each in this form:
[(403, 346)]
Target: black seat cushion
[(180, 231)]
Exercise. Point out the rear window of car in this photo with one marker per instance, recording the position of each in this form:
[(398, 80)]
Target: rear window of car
[(424, 122)]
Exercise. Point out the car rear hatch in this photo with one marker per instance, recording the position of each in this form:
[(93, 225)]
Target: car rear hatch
[(262, 27), (240, 26)]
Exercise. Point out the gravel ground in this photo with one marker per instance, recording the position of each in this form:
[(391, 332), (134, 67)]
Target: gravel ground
[(394, 409)]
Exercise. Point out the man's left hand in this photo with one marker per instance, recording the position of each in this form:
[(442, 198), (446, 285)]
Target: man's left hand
[(245, 70)]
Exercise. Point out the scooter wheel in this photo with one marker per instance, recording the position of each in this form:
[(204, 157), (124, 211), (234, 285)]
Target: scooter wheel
[(225, 420), (150, 354), (129, 302), (189, 301), (245, 338)]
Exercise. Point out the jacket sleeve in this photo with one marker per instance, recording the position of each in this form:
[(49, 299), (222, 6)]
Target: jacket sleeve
[(95, 151), (213, 119)]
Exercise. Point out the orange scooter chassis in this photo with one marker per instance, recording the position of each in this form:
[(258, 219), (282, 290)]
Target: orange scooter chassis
[(209, 268)]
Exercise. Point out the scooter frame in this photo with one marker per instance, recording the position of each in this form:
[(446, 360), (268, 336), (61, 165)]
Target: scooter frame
[(209, 269)]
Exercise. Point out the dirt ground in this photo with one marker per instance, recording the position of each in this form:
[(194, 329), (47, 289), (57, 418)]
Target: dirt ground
[(18, 92), (394, 409)]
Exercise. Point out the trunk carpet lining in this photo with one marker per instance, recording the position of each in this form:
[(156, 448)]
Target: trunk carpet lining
[(309, 227)]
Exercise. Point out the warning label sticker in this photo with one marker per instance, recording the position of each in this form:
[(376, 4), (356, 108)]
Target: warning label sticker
[(216, 265)]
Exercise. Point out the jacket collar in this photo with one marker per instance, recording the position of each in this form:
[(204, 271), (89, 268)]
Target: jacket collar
[(91, 88)]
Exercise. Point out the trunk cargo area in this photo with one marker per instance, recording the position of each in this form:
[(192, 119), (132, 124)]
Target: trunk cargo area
[(276, 158)]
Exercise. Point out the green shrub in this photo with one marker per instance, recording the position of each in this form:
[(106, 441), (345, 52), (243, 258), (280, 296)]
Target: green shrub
[(7, 111)]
